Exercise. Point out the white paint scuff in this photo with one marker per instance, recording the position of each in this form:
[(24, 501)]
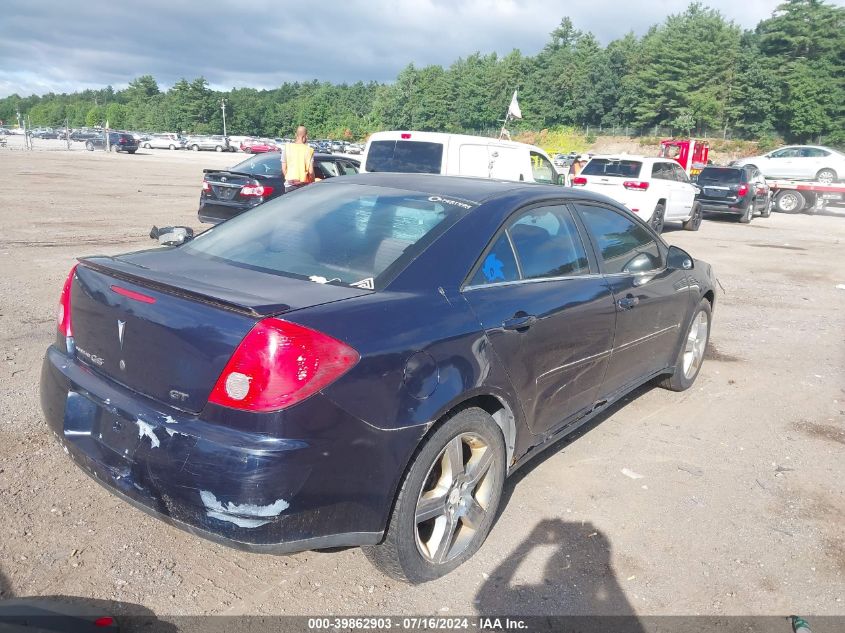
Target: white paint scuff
[(170, 420), (145, 429), (630, 473), (228, 511)]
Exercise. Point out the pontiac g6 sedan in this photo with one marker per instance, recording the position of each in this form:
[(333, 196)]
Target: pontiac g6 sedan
[(365, 360)]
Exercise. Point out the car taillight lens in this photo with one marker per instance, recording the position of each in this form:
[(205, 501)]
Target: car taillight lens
[(743, 189), (63, 312), (579, 181), (635, 185), (206, 186), (405, 135), (256, 191), (279, 364)]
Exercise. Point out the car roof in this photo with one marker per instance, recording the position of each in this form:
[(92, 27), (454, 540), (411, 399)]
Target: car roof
[(468, 188), (638, 157)]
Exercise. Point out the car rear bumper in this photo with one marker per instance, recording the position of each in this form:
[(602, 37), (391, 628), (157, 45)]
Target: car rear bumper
[(220, 211), (723, 206), (248, 490)]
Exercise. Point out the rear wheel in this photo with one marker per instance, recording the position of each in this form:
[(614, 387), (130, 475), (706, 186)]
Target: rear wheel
[(746, 216), (767, 208), (147, 146), (826, 176), (218, 149), (691, 353), (789, 202), (657, 218), (172, 146), (196, 148), (694, 222), (89, 146), (132, 151), (447, 502)]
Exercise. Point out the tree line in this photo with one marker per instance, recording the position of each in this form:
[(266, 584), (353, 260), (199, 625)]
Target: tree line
[(695, 72)]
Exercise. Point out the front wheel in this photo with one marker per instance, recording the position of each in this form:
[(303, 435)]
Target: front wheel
[(657, 218), (694, 222), (218, 149), (788, 201), (447, 502), (89, 146), (147, 146), (196, 148), (172, 146), (692, 348)]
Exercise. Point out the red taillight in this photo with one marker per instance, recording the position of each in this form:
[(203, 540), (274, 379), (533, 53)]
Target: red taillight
[(635, 185), (405, 135), (104, 621), (131, 294), (206, 186), (743, 189), (63, 314), (279, 364), (256, 191), (579, 181), (122, 141)]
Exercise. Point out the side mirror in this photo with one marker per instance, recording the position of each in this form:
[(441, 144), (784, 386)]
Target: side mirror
[(679, 259), (172, 235)]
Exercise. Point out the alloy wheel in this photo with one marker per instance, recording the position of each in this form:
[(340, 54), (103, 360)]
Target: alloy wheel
[(453, 502), (695, 344)]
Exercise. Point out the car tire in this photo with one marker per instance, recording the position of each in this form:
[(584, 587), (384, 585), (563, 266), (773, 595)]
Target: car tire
[(826, 176), (132, 151), (218, 149), (694, 222), (406, 551), (692, 348), (658, 218), (196, 148), (89, 146), (746, 216), (788, 201), (767, 209), (147, 146)]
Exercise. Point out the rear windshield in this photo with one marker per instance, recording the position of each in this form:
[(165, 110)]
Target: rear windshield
[(410, 157), (269, 164), (611, 167), (347, 234), (721, 175)]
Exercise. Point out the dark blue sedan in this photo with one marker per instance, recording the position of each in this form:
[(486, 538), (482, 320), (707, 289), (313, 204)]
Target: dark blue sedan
[(364, 361)]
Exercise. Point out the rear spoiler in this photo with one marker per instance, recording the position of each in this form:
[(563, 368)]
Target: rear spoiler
[(234, 173), (119, 270)]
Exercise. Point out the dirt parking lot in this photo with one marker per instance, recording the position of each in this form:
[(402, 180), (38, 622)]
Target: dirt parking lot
[(739, 507)]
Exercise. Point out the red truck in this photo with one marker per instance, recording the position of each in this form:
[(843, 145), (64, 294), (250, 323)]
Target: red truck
[(691, 154)]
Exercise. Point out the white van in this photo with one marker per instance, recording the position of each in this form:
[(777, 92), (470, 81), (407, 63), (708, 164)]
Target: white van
[(457, 155)]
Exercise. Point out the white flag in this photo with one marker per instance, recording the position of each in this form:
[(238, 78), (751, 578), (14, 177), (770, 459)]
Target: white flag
[(513, 108)]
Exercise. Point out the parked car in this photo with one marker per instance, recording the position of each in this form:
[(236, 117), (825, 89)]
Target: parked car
[(45, 133), (457, 155), (118, 142), (227, 193), (364, 361), (657, 190), (84, 134), (216, 143), (354, 148), (802, 162), (739, 191), (164, 141), (258, 146)]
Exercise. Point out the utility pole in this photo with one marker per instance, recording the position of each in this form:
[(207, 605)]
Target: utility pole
[(223, 107)]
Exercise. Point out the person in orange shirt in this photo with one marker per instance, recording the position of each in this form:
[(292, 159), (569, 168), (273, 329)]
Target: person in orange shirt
[(298, 161)]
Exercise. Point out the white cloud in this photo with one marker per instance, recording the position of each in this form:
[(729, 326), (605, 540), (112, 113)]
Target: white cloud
[(45, 47)]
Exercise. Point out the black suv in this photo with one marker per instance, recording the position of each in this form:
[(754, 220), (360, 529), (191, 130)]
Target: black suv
[(739, 191), (118, 142)]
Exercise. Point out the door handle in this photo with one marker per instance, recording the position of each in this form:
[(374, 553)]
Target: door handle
[(626, 303), (520, 322)]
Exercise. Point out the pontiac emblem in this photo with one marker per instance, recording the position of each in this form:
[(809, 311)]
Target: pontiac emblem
[(121, 326)]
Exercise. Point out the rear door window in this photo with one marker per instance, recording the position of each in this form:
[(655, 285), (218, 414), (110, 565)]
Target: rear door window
[(612, 167), (410, 157), (547, 244)]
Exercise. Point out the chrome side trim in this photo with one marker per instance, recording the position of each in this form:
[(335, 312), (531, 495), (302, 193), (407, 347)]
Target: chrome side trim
[(572, 364), (642, 339)]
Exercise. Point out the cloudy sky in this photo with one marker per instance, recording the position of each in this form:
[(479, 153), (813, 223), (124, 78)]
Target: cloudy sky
[(61, 46)]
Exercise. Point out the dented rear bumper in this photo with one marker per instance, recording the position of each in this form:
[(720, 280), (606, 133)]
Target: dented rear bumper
[(328, 482)]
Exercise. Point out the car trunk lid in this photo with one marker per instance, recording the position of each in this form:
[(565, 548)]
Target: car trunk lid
[(166, 326)]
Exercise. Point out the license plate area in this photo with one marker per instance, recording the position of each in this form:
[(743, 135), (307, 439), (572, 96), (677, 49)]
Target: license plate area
[(715, 193), (93, 426)]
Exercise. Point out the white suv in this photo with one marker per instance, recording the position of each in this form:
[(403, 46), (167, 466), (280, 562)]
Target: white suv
[(657, 190)]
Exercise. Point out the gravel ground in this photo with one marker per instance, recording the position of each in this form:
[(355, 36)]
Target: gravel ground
[(739, 508)]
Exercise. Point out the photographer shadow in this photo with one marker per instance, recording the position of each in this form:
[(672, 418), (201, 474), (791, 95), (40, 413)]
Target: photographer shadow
[(577, 579)]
